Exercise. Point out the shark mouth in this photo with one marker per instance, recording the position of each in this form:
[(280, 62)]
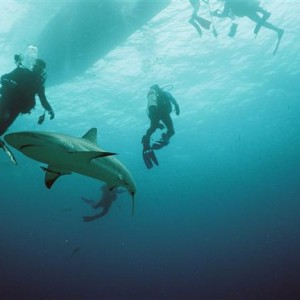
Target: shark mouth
[(26, 146)]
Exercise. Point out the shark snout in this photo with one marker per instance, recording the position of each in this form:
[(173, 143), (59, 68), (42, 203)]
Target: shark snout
[(12, 139), (19, 139)]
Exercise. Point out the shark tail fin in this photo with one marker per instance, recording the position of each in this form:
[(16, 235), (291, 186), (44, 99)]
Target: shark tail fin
[(52, 175)]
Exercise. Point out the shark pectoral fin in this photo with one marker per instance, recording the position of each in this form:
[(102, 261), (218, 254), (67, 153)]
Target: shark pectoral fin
[(52, 175), (89, 155)]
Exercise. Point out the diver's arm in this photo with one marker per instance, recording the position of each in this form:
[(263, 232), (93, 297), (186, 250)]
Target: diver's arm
[(174, 102), (46, 105)]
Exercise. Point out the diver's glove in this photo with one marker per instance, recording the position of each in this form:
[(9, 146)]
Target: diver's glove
[(51, 113)]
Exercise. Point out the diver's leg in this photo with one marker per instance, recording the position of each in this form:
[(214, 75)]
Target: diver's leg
[(202, 22), (154, 124), (90, 202), (4, 116), (264, 12), (6, 120), (147, 136), (169, 124), (262, 23), (265, 16), (253, 16), (92, 218), (196, 25), (165, 137), (148, 153), (274, 28), (196, 5)]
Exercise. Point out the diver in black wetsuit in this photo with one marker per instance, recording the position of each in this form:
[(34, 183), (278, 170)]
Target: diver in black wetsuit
[(18, 92), (252, 10), (159, 108)]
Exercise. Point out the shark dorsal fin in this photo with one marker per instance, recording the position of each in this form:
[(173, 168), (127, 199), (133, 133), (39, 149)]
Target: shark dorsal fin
[(91, 135)]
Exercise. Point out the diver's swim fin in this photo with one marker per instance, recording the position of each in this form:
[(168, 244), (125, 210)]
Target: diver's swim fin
[(149, 158), (280, 34), (8, 152), (233, 30)]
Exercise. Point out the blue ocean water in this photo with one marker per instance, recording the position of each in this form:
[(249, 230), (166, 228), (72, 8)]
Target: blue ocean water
[(219, 217)]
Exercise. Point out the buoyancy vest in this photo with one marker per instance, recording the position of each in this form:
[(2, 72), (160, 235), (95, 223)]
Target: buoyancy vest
[(22, 97), (161, 101)]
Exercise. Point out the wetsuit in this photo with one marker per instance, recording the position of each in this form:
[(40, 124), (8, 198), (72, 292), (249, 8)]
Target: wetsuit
[(18, 92)]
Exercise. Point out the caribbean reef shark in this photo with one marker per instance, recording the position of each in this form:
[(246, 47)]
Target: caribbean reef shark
[(65, 154)]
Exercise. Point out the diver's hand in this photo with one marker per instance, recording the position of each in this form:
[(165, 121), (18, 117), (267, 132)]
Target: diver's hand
[(51, 113), (177, 110)]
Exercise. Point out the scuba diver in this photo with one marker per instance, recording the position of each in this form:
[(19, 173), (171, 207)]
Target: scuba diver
[(197, 21), (252, 10), (18, 92), (159, 108), (108, 196)]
